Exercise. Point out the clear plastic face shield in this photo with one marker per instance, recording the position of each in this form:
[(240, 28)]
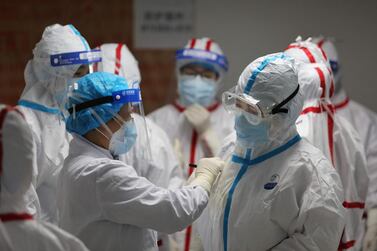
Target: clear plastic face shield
[(253, 109), (131, 110), (85, 60)]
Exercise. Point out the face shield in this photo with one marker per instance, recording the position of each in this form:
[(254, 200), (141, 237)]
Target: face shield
[(83, 60), (255, 110), (95, 113)]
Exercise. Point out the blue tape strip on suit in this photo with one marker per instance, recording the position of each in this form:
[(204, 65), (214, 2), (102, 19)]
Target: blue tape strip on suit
[(39, 107), (260, 68), (245, 164), (83, 40)]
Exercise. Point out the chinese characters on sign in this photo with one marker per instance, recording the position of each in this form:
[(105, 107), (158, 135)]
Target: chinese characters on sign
[(162, 23)]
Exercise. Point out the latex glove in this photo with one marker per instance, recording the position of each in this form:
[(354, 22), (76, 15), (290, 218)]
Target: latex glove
[(370, 239), (198, 117), (206, 172)]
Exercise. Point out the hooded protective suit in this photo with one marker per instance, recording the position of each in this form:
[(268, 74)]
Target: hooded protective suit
[(44, 85), (102, 200), (277, 191), (364, 121), (190, 141), (18, 156), (162, 167), (339, 142)]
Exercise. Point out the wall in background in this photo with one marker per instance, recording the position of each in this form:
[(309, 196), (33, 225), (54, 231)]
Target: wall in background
[(244, 29), (22, 24), (249, 29)]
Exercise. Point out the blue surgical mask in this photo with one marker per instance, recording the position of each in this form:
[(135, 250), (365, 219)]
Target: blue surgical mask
[(123, 139), (249, 135), (196, 90)]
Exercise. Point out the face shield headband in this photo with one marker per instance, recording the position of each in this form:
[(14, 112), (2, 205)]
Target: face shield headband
[(77, 57), (118, 97)]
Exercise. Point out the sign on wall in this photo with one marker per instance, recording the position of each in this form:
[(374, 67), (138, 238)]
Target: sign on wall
[(162, 24)]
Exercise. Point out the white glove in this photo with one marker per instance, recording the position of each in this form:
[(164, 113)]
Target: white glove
[(206, 172), (198, 117), (211, 143), (370, 239)]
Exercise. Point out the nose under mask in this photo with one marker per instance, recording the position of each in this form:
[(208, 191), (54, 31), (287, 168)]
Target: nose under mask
[(196, 90)]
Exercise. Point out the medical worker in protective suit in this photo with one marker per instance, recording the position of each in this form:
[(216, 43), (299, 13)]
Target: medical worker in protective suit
[(102, 200), (365, 122), (161, 167), (277, 191), (333, 135), (196, 122), (59, 57), (19, 230)]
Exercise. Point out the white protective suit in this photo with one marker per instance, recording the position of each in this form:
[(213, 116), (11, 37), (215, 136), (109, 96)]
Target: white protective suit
[(18, 155), (109, 207), (163, 169), (365, 122), (189, 145), (280, 194), (339, 142), (363, 119), (41, 111), (5, 243)]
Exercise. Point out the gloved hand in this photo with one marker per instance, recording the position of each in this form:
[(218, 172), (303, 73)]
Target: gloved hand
[(370, 239), (206, 172), (198, 117)]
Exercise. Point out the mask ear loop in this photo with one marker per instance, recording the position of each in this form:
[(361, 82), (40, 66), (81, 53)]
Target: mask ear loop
[(277, 108)]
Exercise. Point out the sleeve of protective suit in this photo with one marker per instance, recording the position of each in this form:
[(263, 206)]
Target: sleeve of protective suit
[(126, 198), (320, 219)]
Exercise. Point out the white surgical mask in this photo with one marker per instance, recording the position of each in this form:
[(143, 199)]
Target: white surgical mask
[(123, 139), (196, 90)]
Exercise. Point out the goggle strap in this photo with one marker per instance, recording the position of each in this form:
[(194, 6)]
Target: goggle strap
[(91, 103), (278, 109)]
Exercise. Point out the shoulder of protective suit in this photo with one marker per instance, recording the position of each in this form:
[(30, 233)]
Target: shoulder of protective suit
[(310, 156), (308, 167), (34, 119)]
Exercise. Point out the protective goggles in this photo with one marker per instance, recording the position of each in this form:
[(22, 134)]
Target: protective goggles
[(254, 110), (78, 57)]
